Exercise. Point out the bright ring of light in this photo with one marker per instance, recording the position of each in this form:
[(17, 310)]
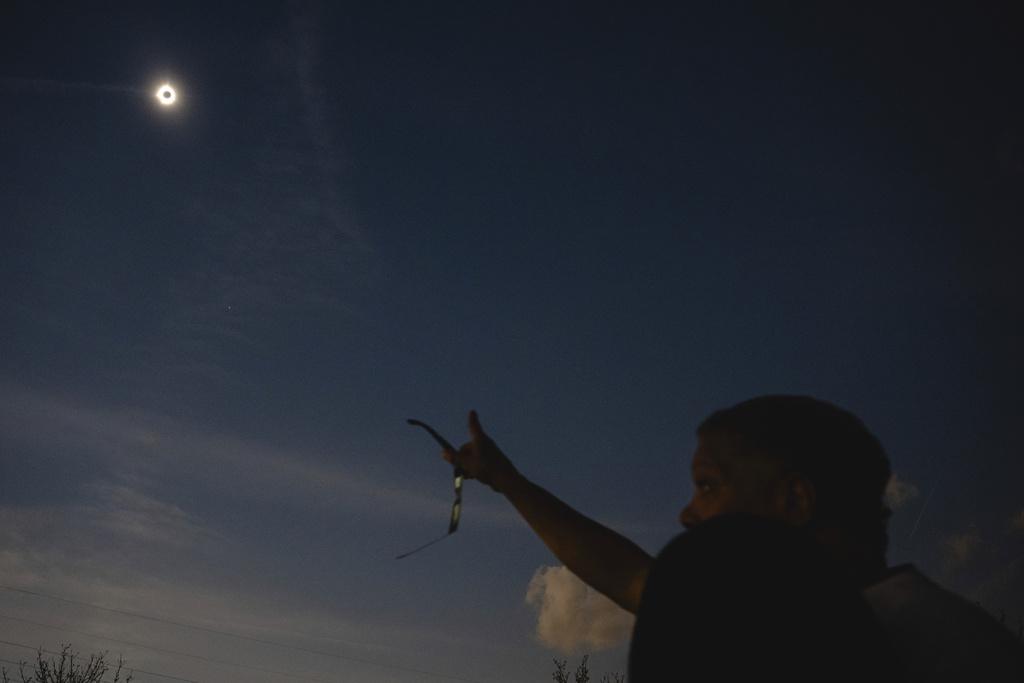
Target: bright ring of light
[(166, 95)]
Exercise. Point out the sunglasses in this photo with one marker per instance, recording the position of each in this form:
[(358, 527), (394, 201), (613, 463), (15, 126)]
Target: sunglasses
[(460, 475)]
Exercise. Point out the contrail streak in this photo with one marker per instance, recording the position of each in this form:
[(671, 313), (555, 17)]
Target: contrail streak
[(929, 498), (47, 84)]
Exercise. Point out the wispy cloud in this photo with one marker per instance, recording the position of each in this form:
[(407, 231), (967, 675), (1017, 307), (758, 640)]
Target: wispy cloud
[(106, 538), (304, 47), (138, 450), (126, 512), (571, 615), (283, 246), (46, 85)]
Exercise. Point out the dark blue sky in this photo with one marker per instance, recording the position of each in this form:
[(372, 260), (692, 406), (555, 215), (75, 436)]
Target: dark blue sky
[(593, 223)]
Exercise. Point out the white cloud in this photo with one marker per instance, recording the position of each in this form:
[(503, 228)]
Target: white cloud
[(899, 492), (572, 615)]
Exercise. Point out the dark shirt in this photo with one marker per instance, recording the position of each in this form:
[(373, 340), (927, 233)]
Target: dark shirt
[(743, 598)]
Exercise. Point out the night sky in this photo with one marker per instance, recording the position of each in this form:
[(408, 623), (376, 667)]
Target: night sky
[(594, 223)]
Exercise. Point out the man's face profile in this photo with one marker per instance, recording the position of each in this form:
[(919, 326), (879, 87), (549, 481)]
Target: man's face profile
[(729, 478)]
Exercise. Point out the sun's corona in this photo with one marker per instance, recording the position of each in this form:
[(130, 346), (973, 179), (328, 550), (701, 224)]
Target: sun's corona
[(166, 95)]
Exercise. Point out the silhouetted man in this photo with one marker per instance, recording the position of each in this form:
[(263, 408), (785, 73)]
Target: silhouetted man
[(783, 554)]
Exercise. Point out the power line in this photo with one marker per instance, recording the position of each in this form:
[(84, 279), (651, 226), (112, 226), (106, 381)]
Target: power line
[(230, 635), (175, 623)]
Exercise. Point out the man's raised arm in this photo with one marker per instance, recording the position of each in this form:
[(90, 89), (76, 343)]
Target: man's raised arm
[(607, 561)]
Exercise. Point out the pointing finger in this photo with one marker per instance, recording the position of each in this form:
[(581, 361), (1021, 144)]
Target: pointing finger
[(475, 430)]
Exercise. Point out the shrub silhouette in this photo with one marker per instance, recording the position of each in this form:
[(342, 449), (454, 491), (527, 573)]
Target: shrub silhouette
[(67, 670), (582, 674)]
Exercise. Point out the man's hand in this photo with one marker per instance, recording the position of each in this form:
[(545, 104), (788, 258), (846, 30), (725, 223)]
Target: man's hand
[(482, 459)]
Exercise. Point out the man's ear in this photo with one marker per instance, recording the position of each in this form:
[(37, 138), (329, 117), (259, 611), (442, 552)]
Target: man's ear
[(797, 498)]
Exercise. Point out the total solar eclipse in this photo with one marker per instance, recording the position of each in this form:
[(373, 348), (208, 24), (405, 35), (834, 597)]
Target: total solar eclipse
[(166, 95)]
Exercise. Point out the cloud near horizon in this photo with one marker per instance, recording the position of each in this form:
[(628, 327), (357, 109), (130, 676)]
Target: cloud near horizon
[(1017, 523), (572, 615), (961, 548)]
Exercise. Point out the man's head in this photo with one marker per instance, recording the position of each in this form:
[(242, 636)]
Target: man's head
[(794, 458)]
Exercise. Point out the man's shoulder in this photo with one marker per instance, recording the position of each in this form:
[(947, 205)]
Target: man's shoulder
[(939, 635), (905, 593)]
